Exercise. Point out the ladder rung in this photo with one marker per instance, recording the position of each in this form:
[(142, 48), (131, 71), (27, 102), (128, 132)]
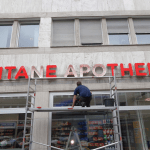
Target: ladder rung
[(31, 95), (112, 87), (31, 88), (115, 125), (29, 118), (28, 126), (27, 143), (27, 134), (116, 133), (30, 103), (115, 117)]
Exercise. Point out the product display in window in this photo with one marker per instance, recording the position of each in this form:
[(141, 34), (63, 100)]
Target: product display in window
[(11, 131), (92, 133)]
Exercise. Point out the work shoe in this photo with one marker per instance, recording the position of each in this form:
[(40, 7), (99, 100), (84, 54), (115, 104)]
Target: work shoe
[(83, 104)]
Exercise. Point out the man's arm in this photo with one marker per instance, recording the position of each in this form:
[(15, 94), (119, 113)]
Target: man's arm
[(74, 99)]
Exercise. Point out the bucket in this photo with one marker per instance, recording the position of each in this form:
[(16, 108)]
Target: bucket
[(108, 102)]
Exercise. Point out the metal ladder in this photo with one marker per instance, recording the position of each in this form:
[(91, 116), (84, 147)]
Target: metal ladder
[(115, 113), (32, 103)]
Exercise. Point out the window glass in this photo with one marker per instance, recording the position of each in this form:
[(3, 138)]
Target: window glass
[(90, 31), (13, 102), (133, 98), (66, 100), (11, 131), (28, 35), (132, 134), (5, 35), (118, 31), (63, 33), (143, 38), (142, 30), (93, 129), (118, 39)]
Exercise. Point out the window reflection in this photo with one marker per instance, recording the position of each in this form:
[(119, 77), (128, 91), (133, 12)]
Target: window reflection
[(134, 98), (29, 35), (5, 35), (143, 38), (13, 102), (118, 39)]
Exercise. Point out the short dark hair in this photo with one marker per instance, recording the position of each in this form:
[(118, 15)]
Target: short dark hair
[(79, 83)]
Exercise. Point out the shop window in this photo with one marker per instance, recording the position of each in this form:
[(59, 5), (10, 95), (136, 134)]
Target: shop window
[(135, 129), (118, 31), (90, 32), (94, 129), (5, 35), (63, 33), (14, 102), (133, 98), (29, 34), (142, 30), (11, 131)]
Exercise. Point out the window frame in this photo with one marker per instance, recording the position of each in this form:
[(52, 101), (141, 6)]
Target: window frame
[(15, 110)]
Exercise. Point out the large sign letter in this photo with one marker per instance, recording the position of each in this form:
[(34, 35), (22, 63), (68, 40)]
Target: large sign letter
[(81, 69), (126, 69), (112, 67), (21, 73), (101, 66), (70, 73), (40, 74), (48, 71), (10, 68), (137, 69), (1, 70)]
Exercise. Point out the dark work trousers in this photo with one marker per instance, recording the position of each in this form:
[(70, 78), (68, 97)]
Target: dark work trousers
[(81, 99)]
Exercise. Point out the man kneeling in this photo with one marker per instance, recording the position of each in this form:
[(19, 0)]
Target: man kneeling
[(84, 97)]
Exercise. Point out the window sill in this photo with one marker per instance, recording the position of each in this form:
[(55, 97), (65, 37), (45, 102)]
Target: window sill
[(18, 47), (99, 45)]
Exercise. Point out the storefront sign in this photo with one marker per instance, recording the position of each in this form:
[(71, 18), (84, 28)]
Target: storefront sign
[(51, 70)]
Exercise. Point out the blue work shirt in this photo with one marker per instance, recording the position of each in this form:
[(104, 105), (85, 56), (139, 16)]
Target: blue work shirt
[(82, 91)]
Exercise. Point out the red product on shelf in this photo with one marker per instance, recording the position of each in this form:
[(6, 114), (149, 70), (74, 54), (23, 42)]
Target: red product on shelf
[(100, 139), (100, 127), (104, 131), (104, 121), (91, 128), (100, 122), (94, 138), (101, 144), (91, 144), (107, 131), (97, 144), (110, 131)]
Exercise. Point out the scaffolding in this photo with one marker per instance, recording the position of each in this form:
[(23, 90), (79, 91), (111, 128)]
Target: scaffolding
[(114, 109)]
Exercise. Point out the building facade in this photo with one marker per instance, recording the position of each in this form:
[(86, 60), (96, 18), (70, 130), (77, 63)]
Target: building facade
[(75, 32)]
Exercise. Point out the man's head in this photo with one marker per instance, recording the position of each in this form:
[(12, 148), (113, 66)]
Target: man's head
[(79, 83)]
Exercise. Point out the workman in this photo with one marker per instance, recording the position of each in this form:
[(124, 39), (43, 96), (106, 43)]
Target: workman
[(85, 95)]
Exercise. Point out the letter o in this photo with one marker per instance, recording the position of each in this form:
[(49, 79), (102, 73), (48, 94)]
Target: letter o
[(96, 74)]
